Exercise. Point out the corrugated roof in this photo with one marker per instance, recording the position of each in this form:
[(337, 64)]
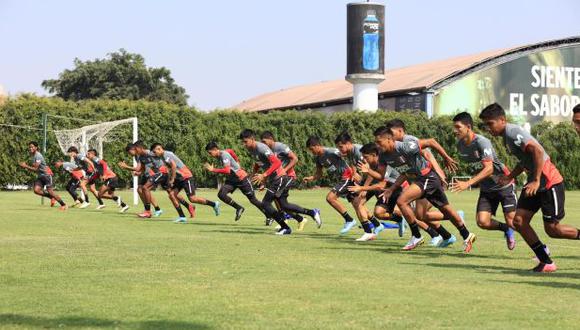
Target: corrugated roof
[(416, 77)]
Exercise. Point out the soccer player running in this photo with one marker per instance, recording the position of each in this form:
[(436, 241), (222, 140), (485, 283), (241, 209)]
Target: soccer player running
[(331, 160), (76, 175), (109, 179), (44, 176), (576, 118), (272, 177), (544, 189), (289, 160), (478, 151), (236, 178), (425, 183), (180, 178), (90, 177)]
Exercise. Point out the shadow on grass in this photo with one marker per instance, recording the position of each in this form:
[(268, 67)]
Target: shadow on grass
[(81, 322), (549, 284)]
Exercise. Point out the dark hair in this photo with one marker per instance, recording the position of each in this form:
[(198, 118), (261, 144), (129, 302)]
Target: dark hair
[(129, 146), (34, 143), (139, 144), (492, 111), (343, 137), (464, 118), (396, 123), (369, 149), (247, 133), (73, 149), (155, 145), (576, 108), (211, 145), (312, 141), (383, 130), (267, 135), (93, 151)]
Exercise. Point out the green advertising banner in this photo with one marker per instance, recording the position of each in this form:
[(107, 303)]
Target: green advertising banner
[(543, 85)]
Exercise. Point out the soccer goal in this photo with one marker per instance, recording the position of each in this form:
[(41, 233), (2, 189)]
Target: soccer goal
[(93, 137)]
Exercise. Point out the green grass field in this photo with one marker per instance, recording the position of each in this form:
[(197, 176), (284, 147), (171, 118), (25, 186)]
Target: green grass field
[(100, 269)]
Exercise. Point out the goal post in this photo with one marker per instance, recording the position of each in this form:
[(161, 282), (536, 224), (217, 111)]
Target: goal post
[(93, 136)]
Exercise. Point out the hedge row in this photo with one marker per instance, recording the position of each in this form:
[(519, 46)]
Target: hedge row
[(186, 131)]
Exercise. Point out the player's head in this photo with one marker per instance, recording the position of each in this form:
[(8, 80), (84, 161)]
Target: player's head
[(314, 145), (92, 153), (267, 138), (384, 139), (72, 151), (157, 149), (213, 149), (462, 125), (397, 126), (370, 153), (130, 149), (248, 138), (140, 147), (576, 118), (32, 147), (343, 142), (493, 117)]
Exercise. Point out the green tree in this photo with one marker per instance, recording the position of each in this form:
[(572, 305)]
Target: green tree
[(121, 75)]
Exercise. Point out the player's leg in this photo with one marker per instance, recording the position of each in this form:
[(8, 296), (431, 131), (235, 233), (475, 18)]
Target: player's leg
[(409, 195), (553, 212), (85, 190), (524, 214), (272, 212), (224, 195), (295, 211), (358, 202), (71, 188), (487, 205), (112, 184), (189, 188), (247, 189)]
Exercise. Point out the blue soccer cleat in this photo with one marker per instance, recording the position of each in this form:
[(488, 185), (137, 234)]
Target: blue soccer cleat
[(446, 242), (461, 215), (435, 241), (378, 229), (157, 213), (216, 208), (347, 227), (510, 239)]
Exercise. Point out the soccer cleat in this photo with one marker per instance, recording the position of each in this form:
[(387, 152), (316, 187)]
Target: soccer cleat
[(317, 218), (510, 239), (461, 215), (52, 202), (468, 243), (367, 237), (239, 213), (76, 204), (302, 224), (347, 227), (284, 232), (84, 205), (446, 242), (378, 229), (63, 207), (435, 241), (180, 220), (413, 243), (269, 221), (287, 216), (216, 208), (119, 201), (191, 210), (402, 227), (145, 214), (535, 258), (545, 268), (101, 206), (124, 209), (157, 213)]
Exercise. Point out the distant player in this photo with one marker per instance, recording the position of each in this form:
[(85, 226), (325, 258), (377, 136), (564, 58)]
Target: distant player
[(108, 178), (576, 118), (236, 178), (331, 160), (544, 189), (478, 151), (289, 160), (90, 178), (272, 177), (76, 175), (44, 176), (180, 178), (425, 183)]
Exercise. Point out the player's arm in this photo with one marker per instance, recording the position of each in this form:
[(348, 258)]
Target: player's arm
[(173, 168), (377, 174), (486, 172), (32, 168), (127, 167), (275, 164), (537, 153), (317, 174), (293, 161), (436, 167), (390, 189), (450, 163)]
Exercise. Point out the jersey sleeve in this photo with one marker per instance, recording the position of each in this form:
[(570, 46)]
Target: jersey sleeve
[(520, 137), (407, 148), (263, 150), (485, 149)]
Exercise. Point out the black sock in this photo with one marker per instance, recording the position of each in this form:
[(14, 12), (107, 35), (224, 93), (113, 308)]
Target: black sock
[(235, 205), (157, 208), (297, 217), (415, 230), (367, 227), (577, 233), (47, 195), (123, 204), (347, 217), (279, 217), (432, 232), (443, 232), (375, 221), (60, 201), (210, 203), (100, 200), (397, 218), (147, 207), (540, 251), (502, 226), (463, 231), (184, 203), (87, 198), (180, 212)]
